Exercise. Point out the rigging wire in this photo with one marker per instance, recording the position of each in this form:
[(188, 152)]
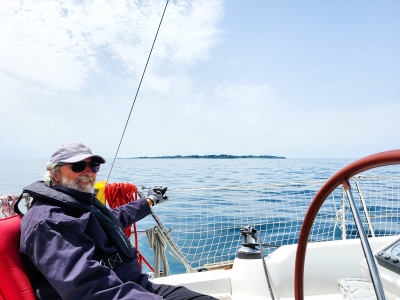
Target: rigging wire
[(137, 92), (271, 292)]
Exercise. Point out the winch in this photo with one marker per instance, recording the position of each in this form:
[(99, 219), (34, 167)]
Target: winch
[(250, 248)]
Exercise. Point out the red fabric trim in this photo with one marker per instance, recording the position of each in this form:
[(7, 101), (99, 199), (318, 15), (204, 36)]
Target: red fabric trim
[(14, 283)]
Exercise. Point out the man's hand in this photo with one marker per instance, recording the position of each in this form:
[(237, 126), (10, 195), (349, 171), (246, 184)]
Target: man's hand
[(156, 194)]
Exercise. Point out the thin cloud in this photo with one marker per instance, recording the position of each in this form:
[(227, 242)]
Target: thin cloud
[(58, 44), (231, 104), (190, 31), (247, 101)]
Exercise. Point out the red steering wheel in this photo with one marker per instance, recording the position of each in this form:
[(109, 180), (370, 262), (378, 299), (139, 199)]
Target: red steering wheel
[(341, 177)]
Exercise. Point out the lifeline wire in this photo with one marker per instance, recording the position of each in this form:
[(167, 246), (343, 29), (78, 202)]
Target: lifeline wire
[(137, 91)]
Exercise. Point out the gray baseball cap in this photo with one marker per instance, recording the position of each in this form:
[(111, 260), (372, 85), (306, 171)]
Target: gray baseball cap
[(73, 152)]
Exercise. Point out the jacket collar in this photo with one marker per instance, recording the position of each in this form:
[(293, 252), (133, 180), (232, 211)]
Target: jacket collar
[(78, 195)]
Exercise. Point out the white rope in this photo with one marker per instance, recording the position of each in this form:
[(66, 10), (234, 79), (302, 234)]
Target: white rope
[(7, 208), (158, 243), (163, 232)]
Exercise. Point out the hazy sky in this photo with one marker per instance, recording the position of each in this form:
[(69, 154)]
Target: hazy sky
[(289, 78)]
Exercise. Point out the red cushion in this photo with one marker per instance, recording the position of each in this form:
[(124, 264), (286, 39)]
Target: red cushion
[(14, 283)]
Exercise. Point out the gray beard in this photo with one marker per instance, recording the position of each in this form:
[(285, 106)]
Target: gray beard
[(73, 184)]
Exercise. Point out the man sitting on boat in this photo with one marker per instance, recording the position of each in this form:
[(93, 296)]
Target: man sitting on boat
[(75, 246)]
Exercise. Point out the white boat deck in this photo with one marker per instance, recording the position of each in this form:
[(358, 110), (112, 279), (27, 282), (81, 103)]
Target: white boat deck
[(326, 263)]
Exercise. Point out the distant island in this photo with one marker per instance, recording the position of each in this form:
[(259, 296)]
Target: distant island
[(221, 156)]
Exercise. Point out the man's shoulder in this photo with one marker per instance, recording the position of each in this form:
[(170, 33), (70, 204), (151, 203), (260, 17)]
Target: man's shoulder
[(41, 212), (44, 222)]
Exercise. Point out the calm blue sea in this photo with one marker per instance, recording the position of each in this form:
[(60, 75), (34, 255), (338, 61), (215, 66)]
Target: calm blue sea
[(186, 173)]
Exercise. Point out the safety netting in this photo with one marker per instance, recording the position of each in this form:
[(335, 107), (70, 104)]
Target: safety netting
[(203, 225)]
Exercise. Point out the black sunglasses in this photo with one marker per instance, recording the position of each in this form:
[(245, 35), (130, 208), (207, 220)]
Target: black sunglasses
[(80, 166)]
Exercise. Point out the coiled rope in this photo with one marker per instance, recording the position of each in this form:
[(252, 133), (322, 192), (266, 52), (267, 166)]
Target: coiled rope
[(118, 194), (7, 204), (158, 243), (162, 233)]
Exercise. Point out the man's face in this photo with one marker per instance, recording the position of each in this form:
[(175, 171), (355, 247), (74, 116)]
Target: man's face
[(82, 181)]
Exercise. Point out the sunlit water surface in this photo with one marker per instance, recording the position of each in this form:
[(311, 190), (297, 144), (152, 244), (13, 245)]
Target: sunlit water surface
[(185, 173)]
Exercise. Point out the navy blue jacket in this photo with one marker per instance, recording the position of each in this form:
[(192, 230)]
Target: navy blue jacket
[(64, 248)]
